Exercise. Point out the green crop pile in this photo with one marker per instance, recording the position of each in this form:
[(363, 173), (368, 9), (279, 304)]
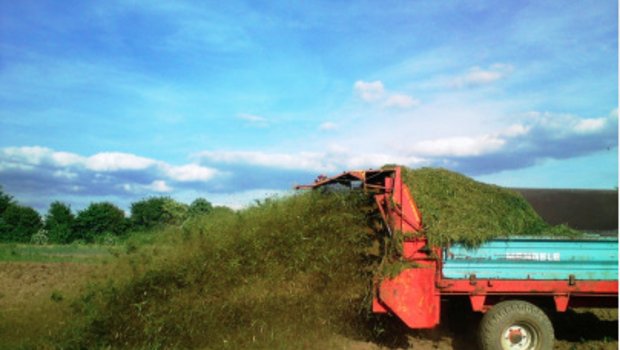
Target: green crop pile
[(286, 273), (455, 208)]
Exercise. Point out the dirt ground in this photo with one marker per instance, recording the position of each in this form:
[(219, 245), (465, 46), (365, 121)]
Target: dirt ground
[(34, 299), (580, 329)]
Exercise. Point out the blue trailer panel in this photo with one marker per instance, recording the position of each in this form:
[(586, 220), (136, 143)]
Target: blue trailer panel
[(537, 258)]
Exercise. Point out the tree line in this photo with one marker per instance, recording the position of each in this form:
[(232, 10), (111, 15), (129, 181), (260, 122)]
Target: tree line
[(98, 221)]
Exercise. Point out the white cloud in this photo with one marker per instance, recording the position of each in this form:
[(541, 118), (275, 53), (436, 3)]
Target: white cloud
[(516, 130), (101, 166), (311, 161), (30, 155), (190, 172), (328, 126), (401, 101), (369, 91), (66, 159), (477, 76), (301, 161), (159, 186), (590, 125), (458, 146), (115, 161)]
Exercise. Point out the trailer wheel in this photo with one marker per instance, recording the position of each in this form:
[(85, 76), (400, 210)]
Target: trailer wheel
[(516, 325)]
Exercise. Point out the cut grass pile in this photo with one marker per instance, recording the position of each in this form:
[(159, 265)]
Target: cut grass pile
[(456, 208), (284, 274)]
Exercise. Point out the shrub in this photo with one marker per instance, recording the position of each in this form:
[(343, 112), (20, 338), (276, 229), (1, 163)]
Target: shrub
[(200, 206), (155, 211), (40, 237)]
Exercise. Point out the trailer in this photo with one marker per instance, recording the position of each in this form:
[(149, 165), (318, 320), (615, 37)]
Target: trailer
[(508, 279)]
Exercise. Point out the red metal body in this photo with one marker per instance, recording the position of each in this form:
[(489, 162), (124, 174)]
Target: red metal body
[(414, 295)]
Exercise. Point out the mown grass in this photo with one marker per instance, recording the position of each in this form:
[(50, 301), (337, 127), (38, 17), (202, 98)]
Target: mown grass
[(456, 208)]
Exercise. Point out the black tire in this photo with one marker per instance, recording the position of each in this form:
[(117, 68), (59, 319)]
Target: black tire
[(516, 324)]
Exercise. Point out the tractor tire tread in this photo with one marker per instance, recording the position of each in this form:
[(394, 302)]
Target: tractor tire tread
[(504, 313)]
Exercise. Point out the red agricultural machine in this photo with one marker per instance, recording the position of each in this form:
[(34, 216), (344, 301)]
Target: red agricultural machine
[(506, 279)]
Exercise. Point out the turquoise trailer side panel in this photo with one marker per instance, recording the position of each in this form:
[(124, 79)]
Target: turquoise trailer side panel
[(535, 258)]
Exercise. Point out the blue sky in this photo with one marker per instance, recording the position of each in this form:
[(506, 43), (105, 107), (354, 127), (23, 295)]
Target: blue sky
[(231, 101)]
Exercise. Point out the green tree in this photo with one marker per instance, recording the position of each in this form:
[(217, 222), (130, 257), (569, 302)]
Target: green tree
[(98, 219), (174, 213), (200, 206), (19, 223), (157, 211), (59, 223), (5, 200)]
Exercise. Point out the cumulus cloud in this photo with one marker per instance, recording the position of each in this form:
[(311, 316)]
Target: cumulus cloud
[(535, 137), (459, 146), (40, 172), (114, 161), (477, 76), (374, 92), (47, 171), (189, 172), (157, 186), (538, 137)]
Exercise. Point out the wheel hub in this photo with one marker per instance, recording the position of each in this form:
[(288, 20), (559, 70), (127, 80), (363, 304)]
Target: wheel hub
[(518, 337)]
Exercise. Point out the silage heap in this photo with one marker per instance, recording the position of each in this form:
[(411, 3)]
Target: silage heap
[(284, 274), (456, 208)]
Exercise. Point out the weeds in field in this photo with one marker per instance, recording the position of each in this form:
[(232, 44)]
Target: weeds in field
[(281, 274)]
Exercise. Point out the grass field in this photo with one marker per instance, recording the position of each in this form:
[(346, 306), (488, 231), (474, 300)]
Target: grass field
[(37, 286), (78, 253)]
